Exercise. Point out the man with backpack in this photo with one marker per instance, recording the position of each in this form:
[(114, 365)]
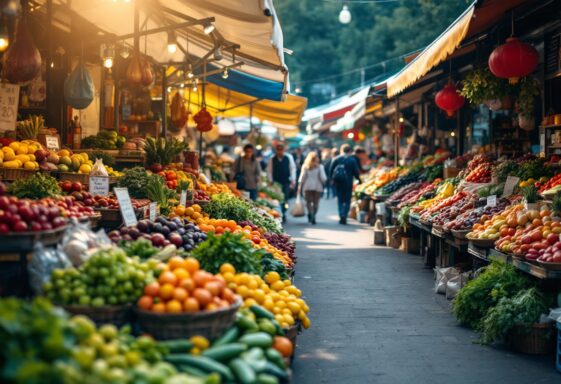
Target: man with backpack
[(281, 169), (344, 169)]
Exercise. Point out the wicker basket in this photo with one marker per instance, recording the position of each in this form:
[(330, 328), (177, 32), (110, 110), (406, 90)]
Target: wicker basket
[(209, 324), (10, 174), (27, 240), (536, 340), (549, 266), (291, 334), (110, 314), (74, 177), (92, 220)]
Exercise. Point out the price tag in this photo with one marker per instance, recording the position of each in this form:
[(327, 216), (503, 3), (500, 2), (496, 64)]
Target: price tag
[(492, 201), (125, 205), (9, 99), (183, 198), (153, 211), (510, 183), (51, 142), (99, 185)]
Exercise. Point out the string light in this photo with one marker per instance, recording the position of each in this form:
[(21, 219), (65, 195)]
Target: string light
[(225, 74)]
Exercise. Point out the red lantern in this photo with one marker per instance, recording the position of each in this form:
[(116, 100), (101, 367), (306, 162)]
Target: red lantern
[(449, 99), (203, 120), (513, 60)]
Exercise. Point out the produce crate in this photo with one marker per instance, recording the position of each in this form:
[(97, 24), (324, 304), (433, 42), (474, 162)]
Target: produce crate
[(410, 245), (167, 326), (9, 174), (538, 340), (112, 219), (74, 177), (92, 220), (27, 240), (292, 334), (391, 240), (118, 315)]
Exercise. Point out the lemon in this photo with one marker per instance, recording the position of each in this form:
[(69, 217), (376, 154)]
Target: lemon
[(23, 149), (85, 168), (9, 153), (14, 145), (272, 277)]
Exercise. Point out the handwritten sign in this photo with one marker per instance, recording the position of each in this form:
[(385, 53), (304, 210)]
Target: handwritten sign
[(183, 198), (125, 205), (153, 211), (510, 183), (51, 142), (492, 201), (99, 185), (9, 99)]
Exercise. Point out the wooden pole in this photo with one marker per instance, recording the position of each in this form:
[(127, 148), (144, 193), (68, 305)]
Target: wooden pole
[(164, 101), (396, 133)]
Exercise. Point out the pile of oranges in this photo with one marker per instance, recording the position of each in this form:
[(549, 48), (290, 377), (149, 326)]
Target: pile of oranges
[(278, 296), (183, 287), (214, 188)]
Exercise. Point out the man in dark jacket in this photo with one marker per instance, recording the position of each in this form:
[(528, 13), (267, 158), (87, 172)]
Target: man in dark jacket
[(344, 169), (281, 169)]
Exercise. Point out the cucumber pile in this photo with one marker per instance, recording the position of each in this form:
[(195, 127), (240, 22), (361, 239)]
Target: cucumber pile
[(243, 354)]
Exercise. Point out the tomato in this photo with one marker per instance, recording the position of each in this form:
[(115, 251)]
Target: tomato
[(283, 345)]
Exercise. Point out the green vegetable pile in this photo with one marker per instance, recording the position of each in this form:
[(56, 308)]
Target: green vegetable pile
[(498, 280), (105, 139), (35, 187), (142, 248), (490, 190), (162, 151), (135, 179), (434, 172), (156, 190), (274, 191), (230, 207)]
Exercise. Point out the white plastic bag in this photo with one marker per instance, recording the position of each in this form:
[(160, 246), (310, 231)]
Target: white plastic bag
[(298, 209), (442, 275), (454, 284), (79, 242), (42, 265), (99, 169)]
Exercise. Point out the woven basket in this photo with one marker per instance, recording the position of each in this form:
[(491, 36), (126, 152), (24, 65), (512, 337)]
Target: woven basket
[(536, 340), (10, 174), (166, 326), (110, 314), (74, 177)]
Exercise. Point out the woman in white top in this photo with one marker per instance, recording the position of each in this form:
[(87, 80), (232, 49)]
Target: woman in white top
[(312, 180)]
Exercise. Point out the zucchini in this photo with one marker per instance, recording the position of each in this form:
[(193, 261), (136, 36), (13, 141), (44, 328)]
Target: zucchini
[(258, 339), (261, 313), (225, 352), (255, 357), (275, 357), (190, 370), (201, 362), (227, 337), (272, 369), (177, 346), (264, 378), (243, 371)]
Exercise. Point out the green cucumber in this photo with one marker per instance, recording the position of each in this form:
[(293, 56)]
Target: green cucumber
[(258, 339), (227, 337), (177, 346), (190, 370), (261, 313), (264, 378), (225, 352), (201, 362), (246, 323), (213, 378), (243, 371), (272, 369), (275, 357), (267, 326)]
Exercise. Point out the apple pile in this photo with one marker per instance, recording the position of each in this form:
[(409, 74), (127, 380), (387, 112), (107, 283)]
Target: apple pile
[(22, 215), (467, 219), (450, 212), (200, 195), (481, 174)]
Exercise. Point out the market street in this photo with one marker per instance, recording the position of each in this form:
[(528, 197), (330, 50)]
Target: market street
[(376, 318)]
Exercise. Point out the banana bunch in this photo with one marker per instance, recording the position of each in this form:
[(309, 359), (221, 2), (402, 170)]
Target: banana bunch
[(29, 129)]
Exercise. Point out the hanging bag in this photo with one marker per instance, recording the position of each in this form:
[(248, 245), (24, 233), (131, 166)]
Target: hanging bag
[(79, 89), (298, 210), (239, 177)]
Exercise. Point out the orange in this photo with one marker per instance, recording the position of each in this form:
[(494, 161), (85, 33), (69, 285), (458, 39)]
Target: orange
[(166, 291), (191, 305), (211, 307), (196, 207), (191, 265), (175, 262), (201, 278), (181, 273), (187, 283), (203, 296), (159, 307), (189, 211), (214, 287), (180, 210), (283, 345), (167, 277), (228, 295), (145, 302), (152, 289), (174, 306), (180, 294)]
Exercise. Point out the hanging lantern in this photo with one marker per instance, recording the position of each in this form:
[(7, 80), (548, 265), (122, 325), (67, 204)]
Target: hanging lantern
[(449, 99), (513, 60), (22, 60), (204, 120)]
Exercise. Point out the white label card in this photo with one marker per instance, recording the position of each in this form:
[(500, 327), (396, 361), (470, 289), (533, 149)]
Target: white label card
[(99, 185), (9, 100), (125, 204), (153, 211), (492, 201), (52, 143), (183, 198), (510, 183)]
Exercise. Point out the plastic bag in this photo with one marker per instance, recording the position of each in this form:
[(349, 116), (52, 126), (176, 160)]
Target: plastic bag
[(99, 169), (79, 242), (298, 209), (42, 265), (442, 275), (79, 88), (454, 284)]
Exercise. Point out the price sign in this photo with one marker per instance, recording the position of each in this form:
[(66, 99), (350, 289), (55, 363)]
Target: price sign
[(9, 99), (51, 142), (125, 205), (492, 201), (183, 198), (153, 211), (99, 185), (510, 183)]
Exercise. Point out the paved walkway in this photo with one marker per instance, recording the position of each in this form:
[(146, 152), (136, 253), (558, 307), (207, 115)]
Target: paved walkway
[(375, 318)]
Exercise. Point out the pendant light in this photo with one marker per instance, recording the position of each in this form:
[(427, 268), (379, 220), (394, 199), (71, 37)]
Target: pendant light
[(172, 42), (345, 15), (4, 39)]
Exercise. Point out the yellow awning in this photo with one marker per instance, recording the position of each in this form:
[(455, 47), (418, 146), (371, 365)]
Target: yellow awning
[(433, 55), (226, 103)]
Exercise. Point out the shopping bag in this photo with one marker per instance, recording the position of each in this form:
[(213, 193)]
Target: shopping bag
[(298, 210)]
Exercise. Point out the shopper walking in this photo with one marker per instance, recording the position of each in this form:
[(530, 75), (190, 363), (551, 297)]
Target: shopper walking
[(247, 171), (281, 169), (344, 169), (311, 181)]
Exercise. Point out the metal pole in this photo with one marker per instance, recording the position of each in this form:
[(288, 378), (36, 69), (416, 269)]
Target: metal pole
[(362, 74), (164, 101), (396, 133)]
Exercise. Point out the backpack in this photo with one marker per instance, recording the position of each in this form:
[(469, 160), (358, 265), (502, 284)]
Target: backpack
[(340, 173)]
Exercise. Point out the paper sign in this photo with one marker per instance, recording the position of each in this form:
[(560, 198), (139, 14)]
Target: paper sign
[(492, 201), (183, 198), (99, 185), (153, 211), (51, 142), (125, 205), (9, 99), (510, 183)]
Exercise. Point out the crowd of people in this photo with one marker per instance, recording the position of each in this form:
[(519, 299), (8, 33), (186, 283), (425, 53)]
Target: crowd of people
[(312, 174)]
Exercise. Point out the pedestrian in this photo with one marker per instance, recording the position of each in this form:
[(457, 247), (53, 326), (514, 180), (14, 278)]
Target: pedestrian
[(247, 171), (361, 158), (281, 169), (312, 179), (327, 157), (344, 169)]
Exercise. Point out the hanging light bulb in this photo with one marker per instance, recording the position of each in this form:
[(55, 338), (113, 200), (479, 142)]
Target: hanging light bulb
[(345, 15), (182, 85), (209, 28), (190, 74), (225, 74), (4, 41), (218, 54), (194, 86), (125, 52), (169, 89), (108, 55), (172, 42)]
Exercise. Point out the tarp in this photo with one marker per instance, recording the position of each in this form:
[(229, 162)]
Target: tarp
[(337, 108)]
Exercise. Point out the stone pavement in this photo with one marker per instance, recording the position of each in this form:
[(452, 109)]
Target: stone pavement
[(376, 319)]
